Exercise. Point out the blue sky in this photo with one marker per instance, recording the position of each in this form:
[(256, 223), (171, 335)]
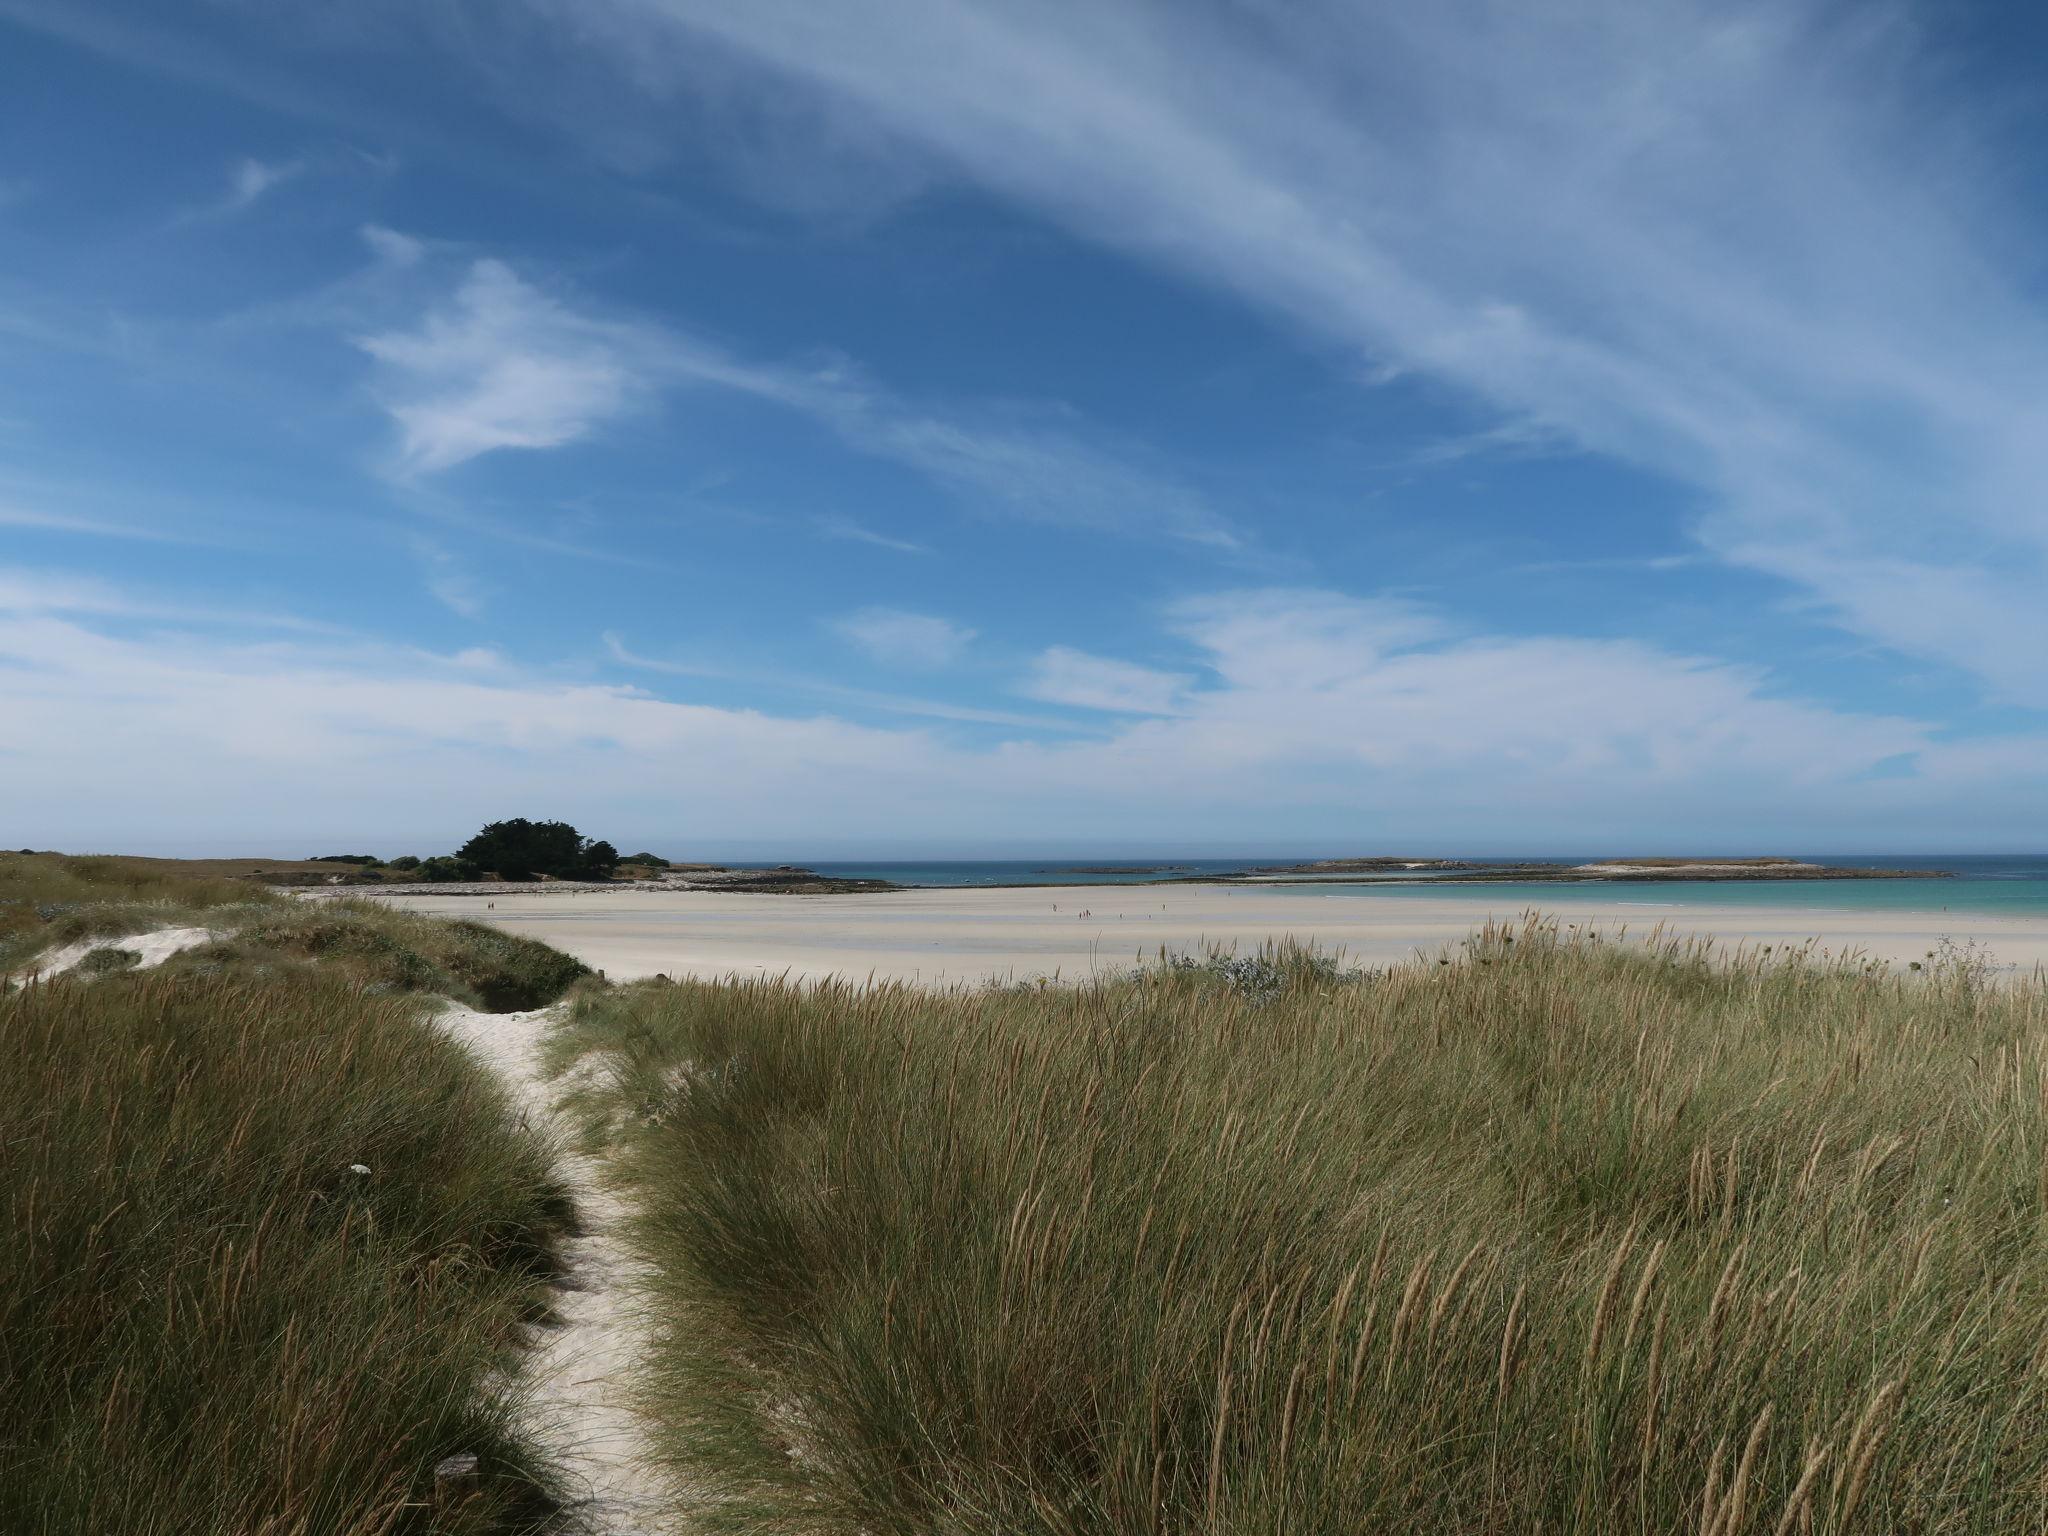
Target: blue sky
[(949, 426)]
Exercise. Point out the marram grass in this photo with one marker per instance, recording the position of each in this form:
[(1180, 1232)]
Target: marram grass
[(1566, 1236), (210, 1321), (271, 1239), (51, 900)]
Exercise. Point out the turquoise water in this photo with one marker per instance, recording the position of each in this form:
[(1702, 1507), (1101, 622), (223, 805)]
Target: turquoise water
[(2014, 885)]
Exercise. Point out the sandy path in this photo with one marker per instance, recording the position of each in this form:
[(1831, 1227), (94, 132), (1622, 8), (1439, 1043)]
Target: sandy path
[(580, 1371), (150, 949), (944, 936)]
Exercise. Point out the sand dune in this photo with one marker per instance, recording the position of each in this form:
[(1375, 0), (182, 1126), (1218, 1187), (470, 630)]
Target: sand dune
[(150, 949), (949, 936)]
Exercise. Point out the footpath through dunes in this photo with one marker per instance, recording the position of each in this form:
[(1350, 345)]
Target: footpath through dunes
[(289, 1241), (578, 1386), (955, 936)]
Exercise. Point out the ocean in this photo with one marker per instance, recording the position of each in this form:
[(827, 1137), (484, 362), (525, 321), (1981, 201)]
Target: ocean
[(2014, 885)]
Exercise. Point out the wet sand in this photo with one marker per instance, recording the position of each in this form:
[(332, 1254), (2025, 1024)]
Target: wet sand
[(942, 937)]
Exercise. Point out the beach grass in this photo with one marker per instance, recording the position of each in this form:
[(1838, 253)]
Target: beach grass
[(273, 1240), (48, 901), (470, 962), (1561, 1235)]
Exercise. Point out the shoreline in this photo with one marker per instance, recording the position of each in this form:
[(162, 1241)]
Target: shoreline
[(809, 883), (947, 936)]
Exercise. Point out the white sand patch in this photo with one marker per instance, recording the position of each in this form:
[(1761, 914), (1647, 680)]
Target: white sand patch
[(580, 1373), (152, 949)]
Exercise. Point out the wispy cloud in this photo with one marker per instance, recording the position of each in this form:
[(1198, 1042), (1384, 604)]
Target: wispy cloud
[(850, 698), (448, 581), (1722, 244), (393, 247), (39, 591), (1039, 472), (1508, 439), (1302, 639), (1312, 714), (65, 522), (835, 526), (249, 181), (500, 363), (252, 178), (1655, 564), (1062, 675), (895, 638)]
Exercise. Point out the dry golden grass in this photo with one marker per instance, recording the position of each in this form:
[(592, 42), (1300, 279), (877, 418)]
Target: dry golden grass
[(137, 869)]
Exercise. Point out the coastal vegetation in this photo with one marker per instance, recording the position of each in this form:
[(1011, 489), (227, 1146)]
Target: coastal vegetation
[(396, 951), (273, 1239), (1550, 1232), (514, 849), (519, 849), (1554, 1235)]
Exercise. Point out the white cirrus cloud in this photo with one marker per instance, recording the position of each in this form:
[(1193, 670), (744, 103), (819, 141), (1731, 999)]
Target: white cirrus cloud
[(64, 522), (1062, 675), (502, 365), (28, 590), (498, 362), (250, 179), (1762, 250), (393, 247), (851, 531), (897, 638)]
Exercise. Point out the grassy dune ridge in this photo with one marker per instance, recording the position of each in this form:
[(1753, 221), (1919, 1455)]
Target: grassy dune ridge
[(470, 962), (210, 1320), (1565, 1236), (48, 901)]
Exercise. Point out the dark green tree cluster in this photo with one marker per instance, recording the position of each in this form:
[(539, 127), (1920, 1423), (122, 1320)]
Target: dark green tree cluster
[(517, 849), (526, 850)]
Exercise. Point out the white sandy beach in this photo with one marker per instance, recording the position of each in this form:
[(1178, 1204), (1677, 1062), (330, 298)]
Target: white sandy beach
[(941, 937)]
